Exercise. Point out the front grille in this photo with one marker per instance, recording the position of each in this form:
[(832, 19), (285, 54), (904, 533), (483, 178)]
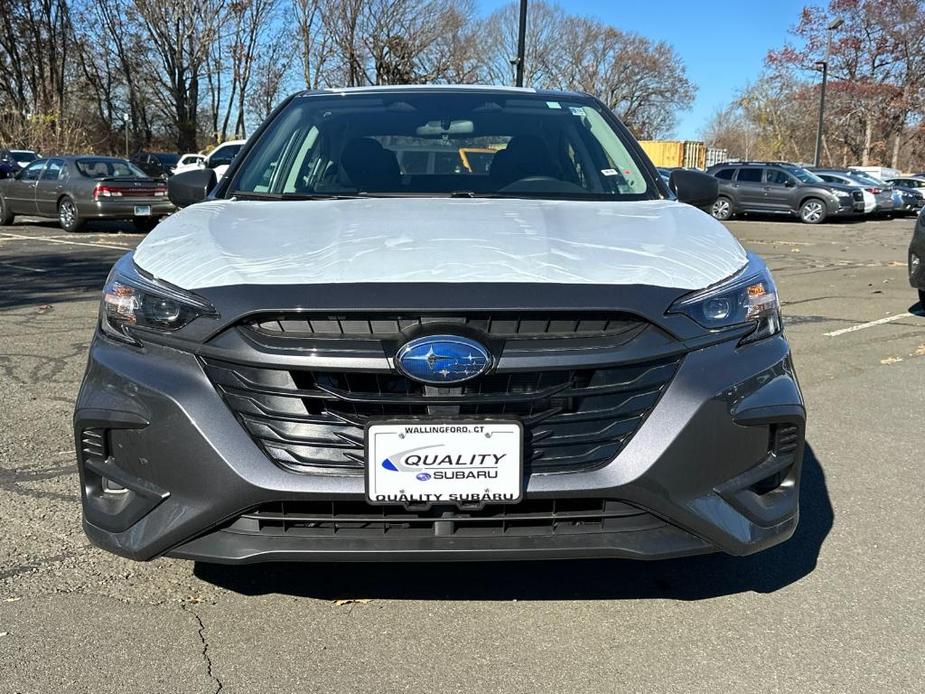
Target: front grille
[(359, 519), (520, 325), (311, 421)]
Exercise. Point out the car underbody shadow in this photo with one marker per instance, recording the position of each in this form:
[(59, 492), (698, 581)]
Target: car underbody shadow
[(692, 578)]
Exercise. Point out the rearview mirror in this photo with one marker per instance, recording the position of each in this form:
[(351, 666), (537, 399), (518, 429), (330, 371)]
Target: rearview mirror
[(190, 187), (693, 187)]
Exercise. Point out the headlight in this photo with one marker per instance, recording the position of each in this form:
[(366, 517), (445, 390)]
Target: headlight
[(748, 298), (843, 196), (131, 300)]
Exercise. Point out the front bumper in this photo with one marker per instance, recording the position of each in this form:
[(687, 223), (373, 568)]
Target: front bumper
[(839, 207), (192, 471), (124, 209)]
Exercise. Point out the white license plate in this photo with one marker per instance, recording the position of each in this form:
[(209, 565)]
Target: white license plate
[(444, 462), (142, 210)]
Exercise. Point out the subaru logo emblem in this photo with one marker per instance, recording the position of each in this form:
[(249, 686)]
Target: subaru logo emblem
[(443, 359)]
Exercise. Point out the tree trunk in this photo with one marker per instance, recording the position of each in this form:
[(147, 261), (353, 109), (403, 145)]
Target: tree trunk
[(868, 138)]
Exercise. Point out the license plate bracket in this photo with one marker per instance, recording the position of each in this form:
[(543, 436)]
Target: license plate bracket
[(459, 462)]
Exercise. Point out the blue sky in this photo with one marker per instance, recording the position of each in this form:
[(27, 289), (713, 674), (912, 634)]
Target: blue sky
[(723, 44)]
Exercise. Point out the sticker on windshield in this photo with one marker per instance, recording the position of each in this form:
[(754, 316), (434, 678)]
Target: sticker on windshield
[(553, 104), (610, 172), (577, 110)]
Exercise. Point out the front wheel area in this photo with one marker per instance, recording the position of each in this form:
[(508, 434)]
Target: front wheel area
[(813, 211), (722, 209), (68, 216)]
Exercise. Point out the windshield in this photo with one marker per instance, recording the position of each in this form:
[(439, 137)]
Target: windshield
[(107, 168), (802, 174), (167, 159), (23, 158), (866, 179), (439, 143)]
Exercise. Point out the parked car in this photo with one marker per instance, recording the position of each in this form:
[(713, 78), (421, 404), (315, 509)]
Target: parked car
[(190, 162), (879, 172), (840, 177), (906, 201), (321, 358), (220, 158), (911, 183), (76, 189), (781, 188), (886, 202), (156, 164), (12, 161)]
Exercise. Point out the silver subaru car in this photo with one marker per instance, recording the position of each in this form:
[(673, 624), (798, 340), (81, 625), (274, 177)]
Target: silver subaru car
[(357, 345)]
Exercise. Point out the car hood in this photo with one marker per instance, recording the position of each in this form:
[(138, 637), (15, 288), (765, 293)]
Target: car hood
[(229, 242), (834, 187)]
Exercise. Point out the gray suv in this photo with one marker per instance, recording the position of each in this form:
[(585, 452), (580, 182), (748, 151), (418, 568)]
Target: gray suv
[(781, 188)]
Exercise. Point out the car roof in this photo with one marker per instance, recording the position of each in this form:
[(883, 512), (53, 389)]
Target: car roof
[(99, 157), (447, 88)]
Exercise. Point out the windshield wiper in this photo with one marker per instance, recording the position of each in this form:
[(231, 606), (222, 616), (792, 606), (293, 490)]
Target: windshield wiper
[(254, 195)]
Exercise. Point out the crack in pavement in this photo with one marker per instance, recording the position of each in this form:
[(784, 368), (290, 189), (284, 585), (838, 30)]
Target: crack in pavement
[(205, 646)]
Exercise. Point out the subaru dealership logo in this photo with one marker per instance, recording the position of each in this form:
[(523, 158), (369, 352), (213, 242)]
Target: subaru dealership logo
[(443, 359)]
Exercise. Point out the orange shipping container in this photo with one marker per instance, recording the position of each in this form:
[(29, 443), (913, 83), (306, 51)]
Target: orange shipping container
[(673, 153)]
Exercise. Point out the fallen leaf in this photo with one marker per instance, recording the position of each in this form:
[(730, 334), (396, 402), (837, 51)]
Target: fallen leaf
[(45, 308), (794, 250), (4, 633), (891, 360), (352, 601), (920, 351)]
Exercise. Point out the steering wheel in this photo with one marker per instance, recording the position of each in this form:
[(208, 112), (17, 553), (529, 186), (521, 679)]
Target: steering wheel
[(541, 184)]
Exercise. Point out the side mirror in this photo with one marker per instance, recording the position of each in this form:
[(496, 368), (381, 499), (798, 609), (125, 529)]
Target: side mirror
[(789, 183), (188, 188), (693, 187)]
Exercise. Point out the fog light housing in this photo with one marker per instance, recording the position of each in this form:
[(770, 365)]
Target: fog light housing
[(110, 487)]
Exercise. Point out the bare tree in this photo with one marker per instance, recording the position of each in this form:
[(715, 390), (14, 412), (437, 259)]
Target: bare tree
[(181, 33), (35, 41)]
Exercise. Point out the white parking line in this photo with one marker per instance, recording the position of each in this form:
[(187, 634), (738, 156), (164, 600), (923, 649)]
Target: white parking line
[(863, 326), (21, 237), (23, 267)]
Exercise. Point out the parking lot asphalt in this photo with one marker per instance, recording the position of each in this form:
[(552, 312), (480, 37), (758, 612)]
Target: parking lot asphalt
[(838, 608)]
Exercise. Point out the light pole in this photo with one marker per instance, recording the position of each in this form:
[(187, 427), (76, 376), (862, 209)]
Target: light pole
[(521, 45), (833, 25), (125, 121)]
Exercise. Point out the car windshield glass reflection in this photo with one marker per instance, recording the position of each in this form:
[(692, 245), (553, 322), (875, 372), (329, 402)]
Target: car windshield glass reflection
[(441, 144)]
